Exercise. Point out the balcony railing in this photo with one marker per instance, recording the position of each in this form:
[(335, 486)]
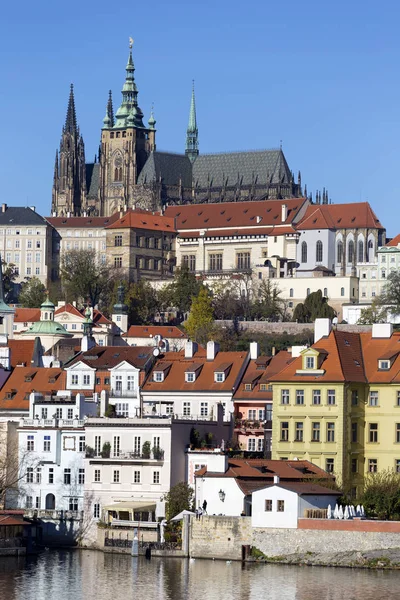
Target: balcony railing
[(114, 393), (135, 456), (247, 425), (52, 422), (56, 515)]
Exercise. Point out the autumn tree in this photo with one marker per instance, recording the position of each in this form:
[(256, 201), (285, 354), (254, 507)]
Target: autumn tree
[(84, 276), (200, 322), (390, 296), (315, 306), (373, 314), (32, 294)]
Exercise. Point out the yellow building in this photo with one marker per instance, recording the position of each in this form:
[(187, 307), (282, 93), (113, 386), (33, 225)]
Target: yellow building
[(338, 404)]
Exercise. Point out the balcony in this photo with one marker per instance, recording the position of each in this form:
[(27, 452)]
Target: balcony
[(51, 422), (156, 455), (247, 426), (55, 515), (114, 393)]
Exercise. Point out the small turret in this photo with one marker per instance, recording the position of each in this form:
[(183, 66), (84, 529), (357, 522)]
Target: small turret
[(192, 133), (120, 311)]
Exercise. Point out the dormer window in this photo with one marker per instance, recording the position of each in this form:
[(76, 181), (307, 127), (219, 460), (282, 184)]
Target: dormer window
[(190, 376), (158, 376), (310, 362), (263, 387), (219, 377), (384, 365), (248, 387)]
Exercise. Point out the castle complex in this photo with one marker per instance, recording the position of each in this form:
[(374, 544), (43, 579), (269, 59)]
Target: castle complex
[(130, 171)]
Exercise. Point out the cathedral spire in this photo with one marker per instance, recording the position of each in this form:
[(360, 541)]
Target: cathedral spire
[(110, 110), (192, 142), (70, 120), (129, 105)]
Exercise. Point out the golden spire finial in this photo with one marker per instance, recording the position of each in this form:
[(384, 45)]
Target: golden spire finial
[(131, 42)]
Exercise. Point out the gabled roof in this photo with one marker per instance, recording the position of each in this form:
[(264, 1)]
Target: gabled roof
[(149, 331), (395, 241), (43, 380), (231, 215), (106, 357), (260, 371), (83, 222), (375, 349), (230, 362), (306, 489), (140, 220), (340, 216), (342, 361), (22, 352), (167, 167)]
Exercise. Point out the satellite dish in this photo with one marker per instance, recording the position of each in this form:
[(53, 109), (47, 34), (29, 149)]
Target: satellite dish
[(156, 352)]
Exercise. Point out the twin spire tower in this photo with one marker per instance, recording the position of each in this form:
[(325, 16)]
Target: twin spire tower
[(102, 187)]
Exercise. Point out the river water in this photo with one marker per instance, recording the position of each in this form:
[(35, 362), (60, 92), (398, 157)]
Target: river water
[(87, 575)]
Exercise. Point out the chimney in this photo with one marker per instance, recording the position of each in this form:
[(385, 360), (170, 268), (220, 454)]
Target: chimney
[(276, 479), (253, 350), (68, 214), (33, 208), (212, 350), (284, 212), (382, 330), (3, 208), (322, 328), (273, 351), (190, 349), (258, 219), (54, 213)]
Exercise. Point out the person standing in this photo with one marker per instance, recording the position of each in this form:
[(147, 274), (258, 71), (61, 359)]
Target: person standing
[(205, 507)]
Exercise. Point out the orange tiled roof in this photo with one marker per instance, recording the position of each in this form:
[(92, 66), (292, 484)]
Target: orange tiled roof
[(260, 371), (149, 331), (84, 222), (230, 362), (26, 315), (144, 220), (107, 357), (395, 241), (21, 352), (41, 381), (230, 215), (338, 216), (69, 308), (379, 348)]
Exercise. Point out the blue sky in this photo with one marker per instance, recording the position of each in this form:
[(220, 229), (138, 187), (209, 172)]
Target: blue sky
[(323, 77)]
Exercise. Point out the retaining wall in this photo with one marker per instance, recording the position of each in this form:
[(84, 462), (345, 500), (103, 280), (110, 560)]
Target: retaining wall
[(288, 327), (219, 537)]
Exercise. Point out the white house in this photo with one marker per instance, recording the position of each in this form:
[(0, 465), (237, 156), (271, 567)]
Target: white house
[(281, 505)]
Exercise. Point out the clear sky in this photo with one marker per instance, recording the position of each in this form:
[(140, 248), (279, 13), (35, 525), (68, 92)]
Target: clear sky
[(323, 77)]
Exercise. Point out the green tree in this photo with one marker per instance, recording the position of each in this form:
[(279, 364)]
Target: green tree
[(9, 276), (179, 498), (390, 296), (200, 322), (315, 306), (32, 294), (84, 276), (381, 496), (184, 287), (141, 299), (373, 314)]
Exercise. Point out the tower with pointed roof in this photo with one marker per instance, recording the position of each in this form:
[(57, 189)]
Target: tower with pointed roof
[(192, 133), (69, 181), (125, 146)]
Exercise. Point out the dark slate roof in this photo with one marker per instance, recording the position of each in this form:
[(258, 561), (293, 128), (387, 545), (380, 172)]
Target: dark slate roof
[(213, 169), (169, 166), (92, 179), (20, 215)]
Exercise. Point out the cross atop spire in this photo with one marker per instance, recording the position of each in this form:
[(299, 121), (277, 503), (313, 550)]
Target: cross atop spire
[(70, 120), (192, 142)]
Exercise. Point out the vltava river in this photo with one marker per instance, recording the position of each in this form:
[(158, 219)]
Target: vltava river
[(86, 575)]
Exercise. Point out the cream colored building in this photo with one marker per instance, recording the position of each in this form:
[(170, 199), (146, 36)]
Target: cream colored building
[(29, 242)]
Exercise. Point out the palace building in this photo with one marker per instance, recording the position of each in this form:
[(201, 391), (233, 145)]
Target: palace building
[(129, 171)]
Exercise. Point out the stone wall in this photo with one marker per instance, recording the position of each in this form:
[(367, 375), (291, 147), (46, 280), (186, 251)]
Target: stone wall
[(219, 537), (284, 542), (288, 327)]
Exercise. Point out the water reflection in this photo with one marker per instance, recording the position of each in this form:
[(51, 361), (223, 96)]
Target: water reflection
[(84, 574)]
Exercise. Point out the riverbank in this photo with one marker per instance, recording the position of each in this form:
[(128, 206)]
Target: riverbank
[(372, 559)]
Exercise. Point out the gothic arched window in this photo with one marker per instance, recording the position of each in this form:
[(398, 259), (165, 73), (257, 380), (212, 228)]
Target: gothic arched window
[(339, 252), (304, 252), (350, 254), (360, 251), (319, 251), (118, 169)]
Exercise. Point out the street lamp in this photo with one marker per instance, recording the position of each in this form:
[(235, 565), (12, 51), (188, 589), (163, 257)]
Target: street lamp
[(221, 495)]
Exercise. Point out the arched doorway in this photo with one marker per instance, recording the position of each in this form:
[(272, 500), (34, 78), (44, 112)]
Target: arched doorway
[(50, 502)]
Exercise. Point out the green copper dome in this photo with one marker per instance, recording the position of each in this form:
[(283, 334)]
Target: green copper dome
[(47, 328), (47, 304)]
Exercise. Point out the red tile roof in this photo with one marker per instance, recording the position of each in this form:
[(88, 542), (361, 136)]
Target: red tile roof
[(21, 352), (41, 381), (149, 331), (107, 357), (395, 241), (338, 216), (144, 220), (69, 308), (230, 362), (260, 371), (232, 215), (26, 315), (84, 222)]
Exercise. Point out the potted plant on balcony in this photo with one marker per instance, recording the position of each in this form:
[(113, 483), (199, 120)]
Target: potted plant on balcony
[(158, 453), (89, 452), (146, 450), (106, 450)]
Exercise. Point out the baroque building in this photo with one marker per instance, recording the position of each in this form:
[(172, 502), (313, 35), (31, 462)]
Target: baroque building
[(129, 170)]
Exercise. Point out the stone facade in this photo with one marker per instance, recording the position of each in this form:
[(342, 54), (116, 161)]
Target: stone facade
[(219, 537)]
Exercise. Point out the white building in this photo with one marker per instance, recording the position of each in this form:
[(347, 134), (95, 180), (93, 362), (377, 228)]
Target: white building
[(165, 337), (281, 505), (52, 446)]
